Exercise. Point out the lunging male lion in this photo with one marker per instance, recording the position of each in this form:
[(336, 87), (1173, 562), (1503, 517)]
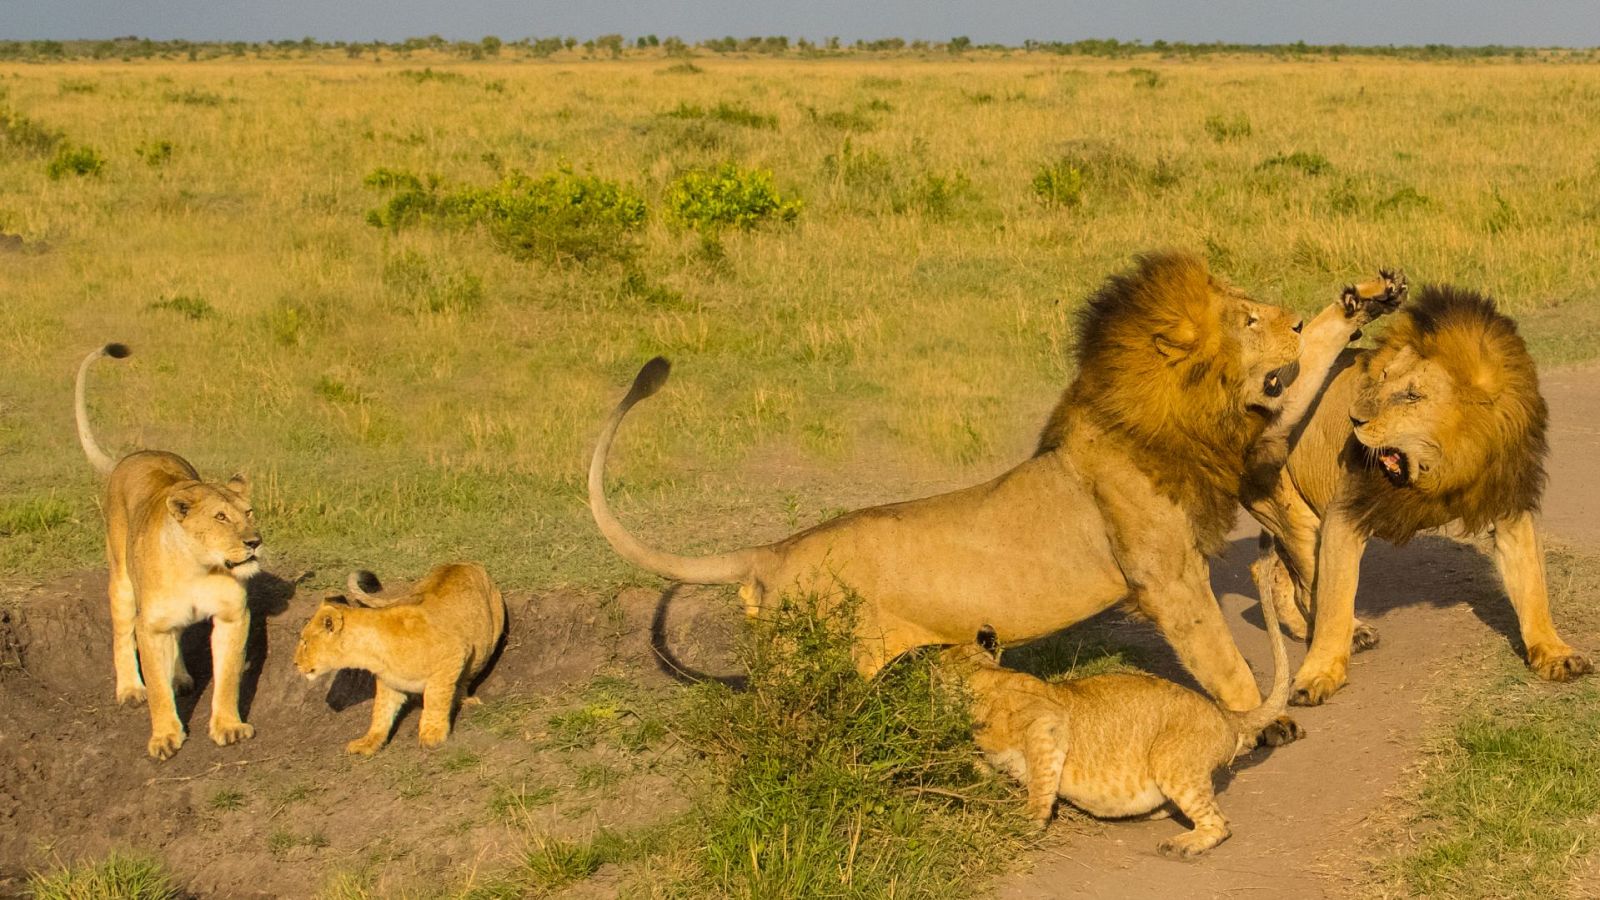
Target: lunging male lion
[(180, 551), (1441, 423), (1181, 388)]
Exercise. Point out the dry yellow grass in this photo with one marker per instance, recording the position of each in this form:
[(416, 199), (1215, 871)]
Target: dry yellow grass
[(914, 321)]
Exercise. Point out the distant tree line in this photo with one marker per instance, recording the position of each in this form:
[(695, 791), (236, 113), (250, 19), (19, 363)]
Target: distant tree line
[(613, 46)]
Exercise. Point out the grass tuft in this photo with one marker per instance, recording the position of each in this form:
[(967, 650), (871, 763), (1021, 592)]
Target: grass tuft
[(120, 876)]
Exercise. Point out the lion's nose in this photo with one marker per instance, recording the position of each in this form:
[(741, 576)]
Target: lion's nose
[(252, 542), (1299, 325)]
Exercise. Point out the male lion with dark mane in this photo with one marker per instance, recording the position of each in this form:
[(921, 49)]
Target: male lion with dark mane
[(1183, 385), (1441, 423)]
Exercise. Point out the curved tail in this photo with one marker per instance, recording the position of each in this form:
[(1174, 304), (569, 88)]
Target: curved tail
[(1277, 702), (364, 589), (100, 459), (724, 568)]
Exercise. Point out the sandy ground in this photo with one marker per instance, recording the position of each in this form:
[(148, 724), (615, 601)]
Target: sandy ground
[(1301, 814)]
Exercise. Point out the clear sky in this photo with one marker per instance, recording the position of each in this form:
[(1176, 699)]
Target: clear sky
[(1567, 23)]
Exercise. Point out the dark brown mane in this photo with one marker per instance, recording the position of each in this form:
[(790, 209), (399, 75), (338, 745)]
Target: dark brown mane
[(1157, 369), (1494, 459)]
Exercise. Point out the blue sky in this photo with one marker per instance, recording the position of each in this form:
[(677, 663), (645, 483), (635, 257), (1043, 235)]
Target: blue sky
[(1571, 23)]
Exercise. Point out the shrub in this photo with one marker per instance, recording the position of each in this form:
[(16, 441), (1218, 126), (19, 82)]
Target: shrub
[(1226, 128), (70, 160), (25, 135), (731, 113), (833, 785), (1059, 183), (553, 217), (727, 196), (155, 153), (1309, 163)]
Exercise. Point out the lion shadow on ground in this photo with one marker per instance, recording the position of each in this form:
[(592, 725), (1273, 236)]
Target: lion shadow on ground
[(267, 597)]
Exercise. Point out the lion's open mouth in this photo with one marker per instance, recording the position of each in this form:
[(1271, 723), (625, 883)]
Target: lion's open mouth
[(1396, 467), (1277, 380), (231, 565)]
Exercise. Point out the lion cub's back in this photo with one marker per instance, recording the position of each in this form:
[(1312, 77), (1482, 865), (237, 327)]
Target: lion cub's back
[(461, 599)]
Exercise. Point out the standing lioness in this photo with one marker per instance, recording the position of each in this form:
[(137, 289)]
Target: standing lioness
[(180, 550)]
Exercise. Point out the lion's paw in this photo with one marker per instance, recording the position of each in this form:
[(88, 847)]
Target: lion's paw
[(1283, 730), (1313, 690), (366, 746), (130, 694), (1369, 300), (1364, 638), (1189, 845), (431, 735), (164, 743), (225, 732), (1563, 664)]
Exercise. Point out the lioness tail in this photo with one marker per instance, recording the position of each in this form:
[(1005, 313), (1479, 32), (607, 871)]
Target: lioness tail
[(100, 459), (724, 568)]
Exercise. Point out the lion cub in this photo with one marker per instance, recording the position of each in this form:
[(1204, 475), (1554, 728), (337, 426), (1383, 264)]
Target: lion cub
[(431, 639), (180, 550), (1114, 745)]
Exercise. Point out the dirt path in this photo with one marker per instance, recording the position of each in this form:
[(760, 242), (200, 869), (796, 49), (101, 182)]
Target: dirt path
[(1299, 814)]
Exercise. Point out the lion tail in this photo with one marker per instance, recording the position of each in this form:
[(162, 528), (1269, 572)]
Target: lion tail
[(1277, 702), (99, 458), (365, 589), (724, 568)]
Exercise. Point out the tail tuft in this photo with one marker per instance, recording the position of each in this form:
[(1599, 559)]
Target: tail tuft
[(650, 379), (366, 581), (989, 640), (117, 351)]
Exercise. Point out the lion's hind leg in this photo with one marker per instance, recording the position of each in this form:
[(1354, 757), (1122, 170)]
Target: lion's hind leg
[(124, 613), (1188, 785)]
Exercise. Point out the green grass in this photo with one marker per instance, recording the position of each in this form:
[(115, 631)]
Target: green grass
[(119, 876), (227, 800)]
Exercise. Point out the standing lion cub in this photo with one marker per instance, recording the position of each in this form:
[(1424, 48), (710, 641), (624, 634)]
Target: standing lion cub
[(180, 550), (431, 639), (1114, 745)]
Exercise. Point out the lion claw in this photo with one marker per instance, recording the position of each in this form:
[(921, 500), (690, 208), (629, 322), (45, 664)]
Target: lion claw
[(132, 696), (1561, 666), (1364, 638), (366, 746), (163, 746), (1369, 300), (225, 733), (1315, 690)]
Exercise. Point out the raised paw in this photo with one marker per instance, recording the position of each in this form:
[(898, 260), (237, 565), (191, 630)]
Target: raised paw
[(130, 694), (1312, 690), (225, 732), (1367, 300), (1560, 664), (1190, 844), (366, 746), (1283, 730), (164, 743), (431, 735), (1364, 638)]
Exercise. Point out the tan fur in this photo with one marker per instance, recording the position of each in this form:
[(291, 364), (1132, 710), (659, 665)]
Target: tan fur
[(180, 550), (1114, 745), (1101, 514), (1442, 423), (431, 639)]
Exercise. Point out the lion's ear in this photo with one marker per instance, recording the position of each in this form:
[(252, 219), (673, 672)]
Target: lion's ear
[(180, 501), (1488, 378), (240, 485), (1171, 348), (330, 620)]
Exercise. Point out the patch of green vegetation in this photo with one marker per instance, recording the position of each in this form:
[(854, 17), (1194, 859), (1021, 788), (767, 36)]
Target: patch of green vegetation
[(155, 153), (550, 863), (335, 391), (426, 289), (195, 308), (1300, 160), (77, 161), (460, 761), (557, 216), (597, 776), (227, 800), (830, 784), (1059, 183), (1146, 78), (120, 876), (681, 68), (731, 113), (727, 197), (513, 804), (196, 97), (423, 76), (25, 135), (1230, 127), (34, 515)]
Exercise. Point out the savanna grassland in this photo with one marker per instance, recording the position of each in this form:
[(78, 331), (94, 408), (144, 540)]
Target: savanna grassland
[(402, 294)]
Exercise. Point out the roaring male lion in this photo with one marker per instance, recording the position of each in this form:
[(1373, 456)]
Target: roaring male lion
[(1182, 383), (1443, 422), (180, 550), (431, 639)]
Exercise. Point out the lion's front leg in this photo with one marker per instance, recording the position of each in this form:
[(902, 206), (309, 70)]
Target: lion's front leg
[(1189, 617), (157, 648), (1519, 556), (1333, 607), (438, 702), (228, 634)]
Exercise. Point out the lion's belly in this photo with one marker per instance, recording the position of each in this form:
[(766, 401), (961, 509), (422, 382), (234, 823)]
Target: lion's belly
[(1109, 794)]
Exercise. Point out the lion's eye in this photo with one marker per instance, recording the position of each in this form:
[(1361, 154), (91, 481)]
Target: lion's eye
[(1411, 396), (1250, 320), (249, 514), (222, 517)]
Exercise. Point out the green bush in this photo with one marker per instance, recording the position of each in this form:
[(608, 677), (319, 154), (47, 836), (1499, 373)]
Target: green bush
[(1059, 183), (553, 217), (79, 161), (727, 197), (833, 785)]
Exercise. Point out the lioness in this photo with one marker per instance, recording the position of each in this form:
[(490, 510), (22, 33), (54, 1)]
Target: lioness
[(180, 550), (1443, 422), (430, 639), (1181, 388), (1114, 745)]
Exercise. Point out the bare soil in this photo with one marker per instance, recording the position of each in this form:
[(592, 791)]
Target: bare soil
[(281, 814)]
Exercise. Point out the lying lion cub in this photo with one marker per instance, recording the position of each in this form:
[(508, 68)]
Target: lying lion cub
[(180, 550), (432, 639), (1114, 745)]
